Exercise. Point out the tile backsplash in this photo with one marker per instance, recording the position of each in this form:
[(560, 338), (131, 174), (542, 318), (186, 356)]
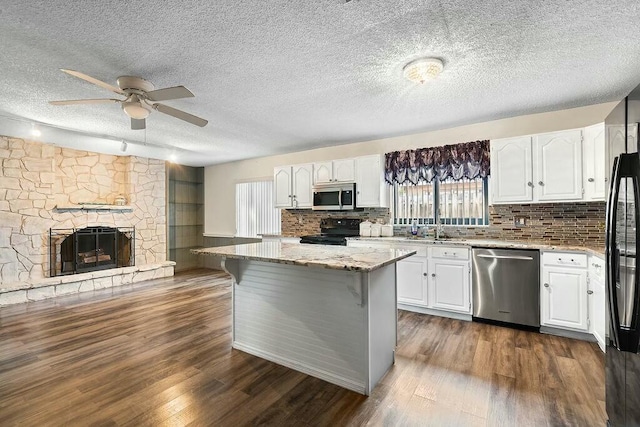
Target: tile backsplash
[(555, 223), (300, 222)]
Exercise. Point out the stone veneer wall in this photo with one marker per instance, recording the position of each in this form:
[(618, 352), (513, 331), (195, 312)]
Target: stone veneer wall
[(556, 223), (36, 177)]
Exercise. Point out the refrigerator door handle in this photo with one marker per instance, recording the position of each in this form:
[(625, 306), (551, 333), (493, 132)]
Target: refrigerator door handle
[(610, 250)]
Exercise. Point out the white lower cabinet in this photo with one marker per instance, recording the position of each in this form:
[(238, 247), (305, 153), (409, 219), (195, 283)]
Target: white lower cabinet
[(597, 300), (563, 295), (449, 285), (411, 279)]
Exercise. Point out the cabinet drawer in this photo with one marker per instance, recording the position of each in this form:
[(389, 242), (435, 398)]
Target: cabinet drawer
[(564, 259), (421, 250), (369, 244), (450, 252)]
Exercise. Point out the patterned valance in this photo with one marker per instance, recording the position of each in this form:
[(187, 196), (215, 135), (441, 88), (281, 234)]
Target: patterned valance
[(466, 160)]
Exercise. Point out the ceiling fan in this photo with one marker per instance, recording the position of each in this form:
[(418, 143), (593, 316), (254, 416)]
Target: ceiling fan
[(140, 98)]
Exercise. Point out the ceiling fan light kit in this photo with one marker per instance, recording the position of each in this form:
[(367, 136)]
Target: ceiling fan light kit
[(135, 108), (141, 98), (422, 69)]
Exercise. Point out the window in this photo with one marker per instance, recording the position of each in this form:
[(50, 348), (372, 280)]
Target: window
[(255, 213), (450, 202)]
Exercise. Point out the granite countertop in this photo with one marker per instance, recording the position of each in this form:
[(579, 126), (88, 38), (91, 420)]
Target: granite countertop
[(503, 244), (333, 257)]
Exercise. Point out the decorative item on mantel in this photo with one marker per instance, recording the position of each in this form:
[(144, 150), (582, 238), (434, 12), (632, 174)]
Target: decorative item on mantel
[(120, 200)]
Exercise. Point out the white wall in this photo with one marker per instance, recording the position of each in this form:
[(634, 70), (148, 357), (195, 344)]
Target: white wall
[(220, 180)]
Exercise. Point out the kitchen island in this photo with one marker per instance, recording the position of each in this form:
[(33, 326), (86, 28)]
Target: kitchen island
[(327, 311)]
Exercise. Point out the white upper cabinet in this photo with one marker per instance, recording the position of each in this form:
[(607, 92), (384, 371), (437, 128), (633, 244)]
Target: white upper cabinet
[(511, 170), (595, 174), (615, 142), (282, 182), (558, 162), (323, 173), (539, 168), (334, 171), (302, 186), (371, 190), (292, 186)]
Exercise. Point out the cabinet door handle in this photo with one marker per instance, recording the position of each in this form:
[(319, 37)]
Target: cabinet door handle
[(424, 274), (591, 180), (433, 274), (530, 184), (540, 183), (590, 292), (546, 285)]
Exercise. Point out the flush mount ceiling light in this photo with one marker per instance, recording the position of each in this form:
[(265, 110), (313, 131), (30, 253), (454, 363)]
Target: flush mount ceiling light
[(422, 69)]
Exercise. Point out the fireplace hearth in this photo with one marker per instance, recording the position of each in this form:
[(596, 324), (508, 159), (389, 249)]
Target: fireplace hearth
[(87, 249)]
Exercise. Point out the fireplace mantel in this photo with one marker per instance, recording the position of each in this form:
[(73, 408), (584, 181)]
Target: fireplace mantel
[(92, 207)]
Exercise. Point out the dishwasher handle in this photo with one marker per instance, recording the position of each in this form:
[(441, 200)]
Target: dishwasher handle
[(521, 258)]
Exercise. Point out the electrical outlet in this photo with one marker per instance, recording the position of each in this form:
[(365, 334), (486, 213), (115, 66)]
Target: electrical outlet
[(520, 221)]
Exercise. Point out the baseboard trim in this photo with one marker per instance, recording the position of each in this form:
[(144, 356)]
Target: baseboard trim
[(433, 312), (584, 336)]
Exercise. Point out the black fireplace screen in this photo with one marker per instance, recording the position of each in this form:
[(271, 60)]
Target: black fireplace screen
[(79, 250)]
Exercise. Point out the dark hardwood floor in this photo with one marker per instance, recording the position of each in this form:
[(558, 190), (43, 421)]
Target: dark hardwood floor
[(160, 354)]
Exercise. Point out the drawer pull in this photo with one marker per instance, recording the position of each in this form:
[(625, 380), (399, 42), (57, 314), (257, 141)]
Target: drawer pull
[(424, 274), (590, 292), (591, 180), (546, 285), (433, 274)]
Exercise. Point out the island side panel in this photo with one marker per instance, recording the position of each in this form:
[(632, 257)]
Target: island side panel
[(383, 316), (306, 318)]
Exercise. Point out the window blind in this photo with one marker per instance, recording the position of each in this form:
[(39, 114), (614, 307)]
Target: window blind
[(255, 213)]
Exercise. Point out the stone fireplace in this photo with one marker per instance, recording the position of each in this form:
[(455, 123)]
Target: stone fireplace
[(45, 187), (94, 248)]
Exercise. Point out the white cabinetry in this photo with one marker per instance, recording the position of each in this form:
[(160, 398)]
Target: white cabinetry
[(449, 285), (597, 300), (334, 171), (616, 143), (539, 168), (371, 191), (292, 186), (563, 295), (558, 166), (511, 170), (595, 173), (411, 279)]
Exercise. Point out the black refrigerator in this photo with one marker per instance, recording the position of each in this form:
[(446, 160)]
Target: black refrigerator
[(623, 294)]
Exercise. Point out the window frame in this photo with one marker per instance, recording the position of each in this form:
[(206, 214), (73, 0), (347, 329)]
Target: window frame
[(437, 217)]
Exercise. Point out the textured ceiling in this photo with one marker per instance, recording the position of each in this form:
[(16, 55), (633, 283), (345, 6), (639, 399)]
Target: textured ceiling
[(280, 76)]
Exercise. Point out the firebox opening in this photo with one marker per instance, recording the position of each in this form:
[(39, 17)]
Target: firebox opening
[(90, 249)]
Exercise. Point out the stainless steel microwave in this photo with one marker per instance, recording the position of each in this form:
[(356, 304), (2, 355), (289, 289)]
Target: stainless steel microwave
[(334, 197)]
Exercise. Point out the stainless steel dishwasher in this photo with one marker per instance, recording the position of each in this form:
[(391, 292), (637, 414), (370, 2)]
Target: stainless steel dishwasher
[(506, 285)]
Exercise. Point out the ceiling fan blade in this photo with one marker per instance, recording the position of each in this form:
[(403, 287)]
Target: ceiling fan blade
[(84, 101), (138, 124), (178, 114), (168, 93), (93, 81)]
